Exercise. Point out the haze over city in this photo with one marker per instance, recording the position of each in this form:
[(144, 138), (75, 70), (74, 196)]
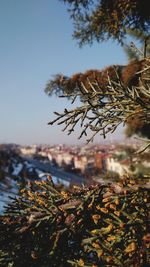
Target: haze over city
[(37, 43)]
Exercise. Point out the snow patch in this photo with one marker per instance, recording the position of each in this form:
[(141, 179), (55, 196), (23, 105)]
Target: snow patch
[(17, 169)]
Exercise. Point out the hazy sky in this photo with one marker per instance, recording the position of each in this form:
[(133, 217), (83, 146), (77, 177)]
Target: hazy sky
[(35, 43)]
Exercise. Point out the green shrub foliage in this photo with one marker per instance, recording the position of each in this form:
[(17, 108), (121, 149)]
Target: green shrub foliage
[(102, 225)]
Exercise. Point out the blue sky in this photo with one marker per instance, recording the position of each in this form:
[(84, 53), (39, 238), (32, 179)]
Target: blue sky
[(36, 43)]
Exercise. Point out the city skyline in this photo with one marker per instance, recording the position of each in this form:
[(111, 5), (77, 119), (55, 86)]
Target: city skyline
[(37, 43)]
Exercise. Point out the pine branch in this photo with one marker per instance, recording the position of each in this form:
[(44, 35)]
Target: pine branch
[(102, 112)]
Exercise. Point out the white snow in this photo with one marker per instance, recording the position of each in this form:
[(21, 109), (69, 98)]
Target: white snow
[(17, 169)]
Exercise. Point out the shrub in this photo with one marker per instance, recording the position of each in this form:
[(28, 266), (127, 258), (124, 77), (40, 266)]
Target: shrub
[(103, 225)]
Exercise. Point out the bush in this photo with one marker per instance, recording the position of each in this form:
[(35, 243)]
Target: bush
[(96, 226)]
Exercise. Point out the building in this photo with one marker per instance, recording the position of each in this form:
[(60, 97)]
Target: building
[(112, 165)]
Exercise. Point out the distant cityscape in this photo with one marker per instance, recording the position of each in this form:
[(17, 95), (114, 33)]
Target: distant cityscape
[(89, 160), (68, 165)]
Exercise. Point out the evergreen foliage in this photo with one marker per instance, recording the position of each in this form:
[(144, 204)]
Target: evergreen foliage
[(142, 38), (103, 19), (108, 98), (97, 226)]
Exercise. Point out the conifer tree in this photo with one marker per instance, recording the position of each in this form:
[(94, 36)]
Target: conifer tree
[(103, 19)]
